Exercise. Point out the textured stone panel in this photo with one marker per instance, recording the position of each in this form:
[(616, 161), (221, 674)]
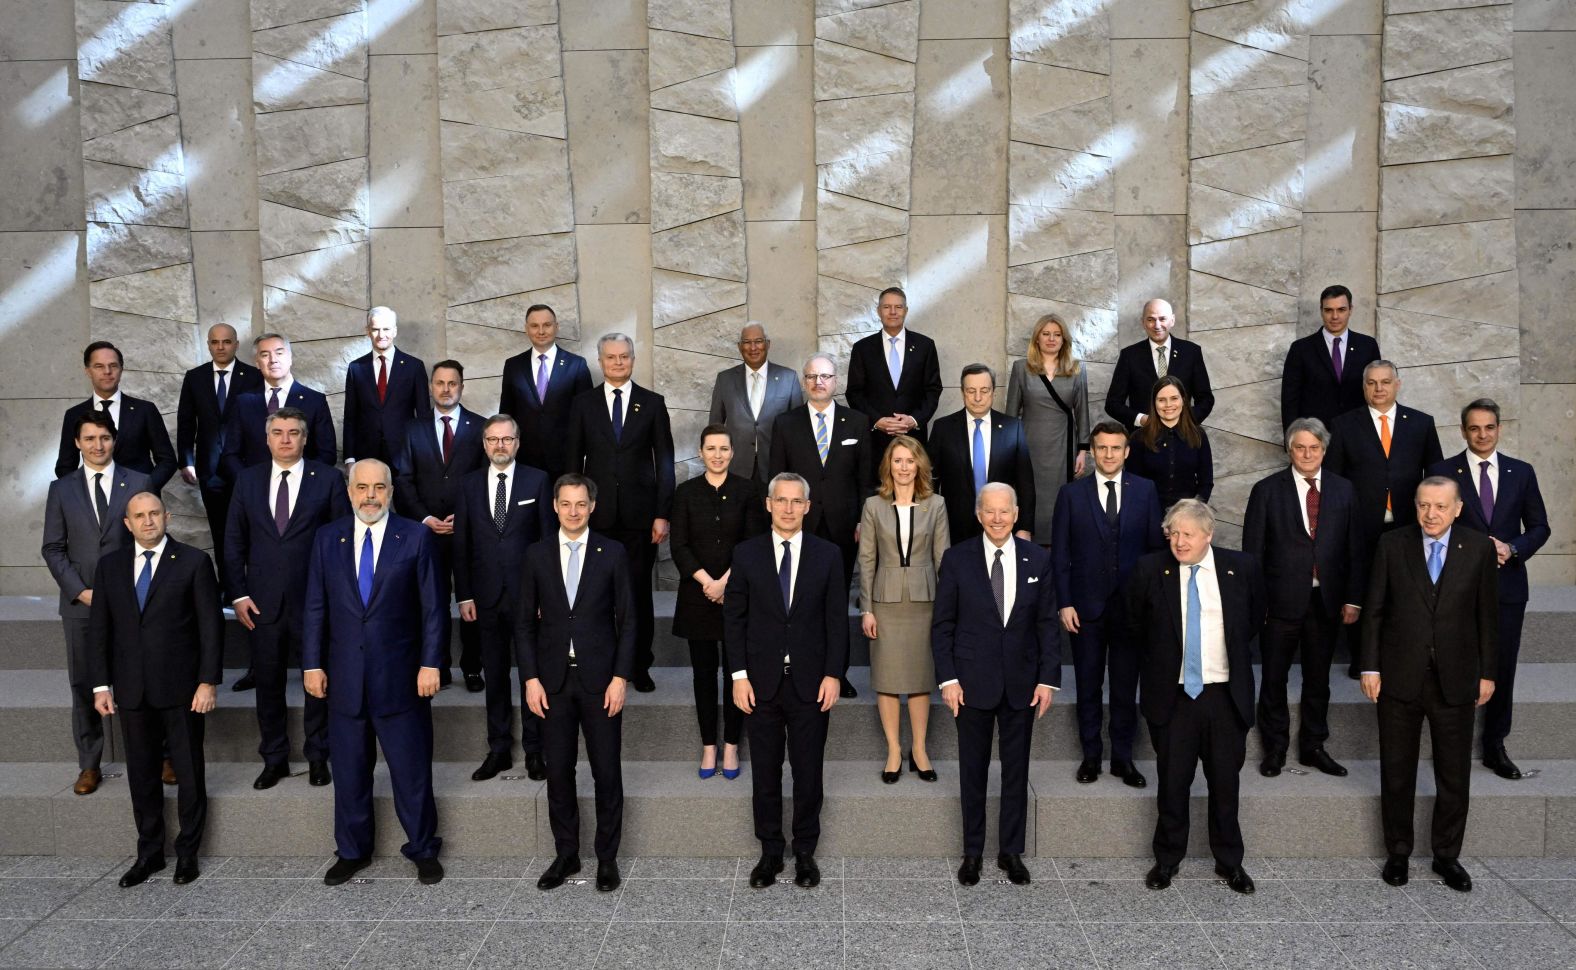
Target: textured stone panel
[(1339, 247), (477, 61), (958, 19), (1546, 266), (841, 220), (679, 296), (1149, 18), (159, 345), (290, 140), (957, 282), (1482, 89), (1088, 278), (615, 289), (229, 279), (1053, 178), (1247, 439), (687, 143), (471, 151), (277, 13), (218, 139), (1437, 254), (764, 23), (1094, 330), (1455, 190), (1422, 135), (337, 44), (308, 318), (38, 30), (680, 57), (1273, 173), (483, 270), (875, 263), (679, 199), (1235, 120), (960, 127), (1066, 33), (1220, 65), (715, 334), (884, 178), (777, 131), (285, 85), (1039, 90), (508, 205), (707, 18), (1245, 355), (712, 247), (483, 350), (1545, 103), (337, 190), (1272, 260), (710, 96), (1436, 41), (1151, 261), (126, 44), (848, 72), (1083, 127), (464, 16), (1272, 25), (116, 193), (44, 277), (687, 380), (165, 292), (154, 145), (782, 260), (1492, 299), (1343, 141), (1040, 232), (1436, 389), (403, 153), (609, 135), (215, 29), (844, 307), (536, 107), (338, 274), (589, 25), (1149, 136), (891, 29), (1220, 304), (853, 127), (508, 312), (1213, 214), (40, 149), (105, 107), (1419, 339), (117, 249), (322, 363)]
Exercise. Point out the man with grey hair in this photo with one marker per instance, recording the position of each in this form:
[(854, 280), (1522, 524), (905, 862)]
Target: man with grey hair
[(246, 438), (976, 445), (749, 397), (384, 390), (1302, 527), (1161, 355)]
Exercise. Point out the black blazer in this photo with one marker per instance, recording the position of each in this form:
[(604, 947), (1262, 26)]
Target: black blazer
[(707, 523), (952, 468), (1521, 520), (424, 485), (1155, 627), (142, 443), (374, 429), (267, 566), (1272, 533), (600, 621), (1409, 623), (156, 657), (1308, 386), (199, 424), (541, 423), (995, 662), (1134, 378), (812, 631), (1357, 456), (634, 473), (870, 389), (246, 433), (837, 489), (1178, 469), (488, 563)]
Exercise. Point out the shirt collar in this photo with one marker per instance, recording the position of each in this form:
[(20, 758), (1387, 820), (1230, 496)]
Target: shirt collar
[(991, 547), (1208, 562), (1101, 478), (564, 539), (536, 355), (831, 406), (901, 335), (495, 471), (281, 468), (158, 550), (1166, 345), (1492, 458), (761, 370), (284, 388), (1445, 538), (1373, 414), (113, 399), (376, 529), (391, 353), (438, 415), (229, 369), (109, 471), (1317, 476), (779, 538)]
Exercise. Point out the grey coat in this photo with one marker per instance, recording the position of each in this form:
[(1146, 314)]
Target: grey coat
[(752, 434), (74, 539)]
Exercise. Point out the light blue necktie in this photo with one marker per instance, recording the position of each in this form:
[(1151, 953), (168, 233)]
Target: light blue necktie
[(1193, 650), (144, 579), (572, 579), (822, 443), (364, 574), (894, 367), (979, 456), (1435, 562)]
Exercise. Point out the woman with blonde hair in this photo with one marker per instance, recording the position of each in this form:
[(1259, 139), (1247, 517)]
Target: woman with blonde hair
[(1049, 391)]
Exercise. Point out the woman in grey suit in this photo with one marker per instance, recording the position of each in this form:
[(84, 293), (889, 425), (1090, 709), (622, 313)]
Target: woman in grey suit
[(1049, 390), (902, 535)]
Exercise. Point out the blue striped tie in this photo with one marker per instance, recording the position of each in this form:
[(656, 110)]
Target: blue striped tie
[(823, 444)]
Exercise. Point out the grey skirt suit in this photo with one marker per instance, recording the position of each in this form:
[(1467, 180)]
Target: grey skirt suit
[(897, 582), (1050, 435)]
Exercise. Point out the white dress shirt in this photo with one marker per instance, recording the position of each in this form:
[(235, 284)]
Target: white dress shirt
[(292, 485), (137, 563), (1476, 470), (968, 435), (831, 417), (1389, 416), (755, 389), (564, 539), (1329, 343), (1100, 478), (108, 482), (1217, 669), (902, 349), (114, 405), (229, 380), (377, 528), (438, 414), (1154, 355), (493, 471), (796, 548), (536, 362), (607, 392), (1009, 578), (285, 386)]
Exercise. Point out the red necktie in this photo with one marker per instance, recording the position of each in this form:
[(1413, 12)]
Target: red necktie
[(383, 379), (1313, 514), (448, 438)]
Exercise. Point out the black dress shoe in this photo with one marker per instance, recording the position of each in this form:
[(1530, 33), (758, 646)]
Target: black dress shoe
[(1395, 870), (140, 871), (846, 690), (562, 868), (1272, 764), (929, 774), (340, 872), (806, 874), (535, 766), (644, 683), (1237, 879), (317, 774), (186, 871), (429, 872), (1088, 771), (765, 871), (1454, 876), (474, 683), (1159, 876), (1129, 773), (1496, 760), (491, 765), (245, 682), (969, 871), (270, 776), (607, 878), (1012, 864), (1320, 759)]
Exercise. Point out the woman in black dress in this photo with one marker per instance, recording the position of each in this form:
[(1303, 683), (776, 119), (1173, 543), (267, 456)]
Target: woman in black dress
[(1171, 449), (711, 514)]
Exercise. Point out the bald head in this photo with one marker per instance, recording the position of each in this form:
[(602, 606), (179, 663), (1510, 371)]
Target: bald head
[(1158, 320), (222, 343)]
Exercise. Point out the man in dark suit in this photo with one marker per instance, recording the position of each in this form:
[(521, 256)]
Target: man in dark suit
[(1501, 499), (441, 447), (977, 445), (1430, 632), (829, 447), (384, 390), (1102, 524), (574, 639), (502, 511), (206, 392), (1194, 611), (1301, 527), (997, 648), (142, 443), (158, 643), (277, 509), (539, 386), (894, 377), (84, 520), (619, 437), (1323, 374), (245, 437), (1161, 355), (785, 630), (748, 398), (372, 639)]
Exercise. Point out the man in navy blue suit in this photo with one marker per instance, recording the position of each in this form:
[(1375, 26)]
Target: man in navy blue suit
[(1501, 498), (997, 647), (1162, 355), (384, 390), (245, 438), (372, 640), (142, 443), (1102, 524), (539, 386), (894, 377), (1323, 374), (503, 510), (276, 510)]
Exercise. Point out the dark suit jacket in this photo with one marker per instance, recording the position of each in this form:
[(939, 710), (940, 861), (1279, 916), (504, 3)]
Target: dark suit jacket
[(487, 563), (199, 425), (812, 631), (1410, 623), (952, 468), (1155, 627), (142, 443), (600, 622), (156, 656), (870, 389), (424, 485), (541, 423), (376, 429), (752, 437), (1272, 533), (75, 540), (1308, 386), (372, 653), (261, 563), (634, 473), (1520, 519), (837, 489), (996, 663), (1090, 560), (1134, 378), (1357, 456), (246, 432)]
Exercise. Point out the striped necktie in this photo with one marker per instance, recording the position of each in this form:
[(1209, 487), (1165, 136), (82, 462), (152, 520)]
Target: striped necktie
[(823, 443)]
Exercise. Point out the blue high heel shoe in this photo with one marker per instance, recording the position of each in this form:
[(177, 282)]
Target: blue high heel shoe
[(705, 772), (732, 774)]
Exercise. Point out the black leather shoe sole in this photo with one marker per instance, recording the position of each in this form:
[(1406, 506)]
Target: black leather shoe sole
[(557, 873), (139, 873), (1159, 877), (318, 775), (341, 872), (1395, 872), (186, 871), (765, 872), (1088, 772), (969, 871), (271, 775)]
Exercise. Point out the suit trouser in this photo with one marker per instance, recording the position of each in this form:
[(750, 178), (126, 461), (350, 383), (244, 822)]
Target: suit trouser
[(275, 649), (1314, 634), (705, 659), (406, 739), (148, 731), (1101, 643), (497, 636), (1208, 729), (216, 504), (1497, 712), (975, 726), (87, 725), (571, 711), (470, 633), (1400, 735), (642, 561), (786, 720), (850, 550)]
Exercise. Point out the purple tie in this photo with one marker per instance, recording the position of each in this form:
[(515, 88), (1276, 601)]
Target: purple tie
[(282, 504), (273, 400), (1486, 492), (1335, 358), (541, 379)]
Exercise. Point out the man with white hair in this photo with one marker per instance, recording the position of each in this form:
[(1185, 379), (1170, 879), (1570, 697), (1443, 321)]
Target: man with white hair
[(384, 390), (749, 397)]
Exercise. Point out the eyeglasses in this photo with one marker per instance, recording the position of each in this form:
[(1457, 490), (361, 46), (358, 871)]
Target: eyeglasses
[(495, 442), (820, 378)]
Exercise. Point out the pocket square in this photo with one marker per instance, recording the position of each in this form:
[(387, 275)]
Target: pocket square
[(527, 501), (1034, 579), (849, 441)]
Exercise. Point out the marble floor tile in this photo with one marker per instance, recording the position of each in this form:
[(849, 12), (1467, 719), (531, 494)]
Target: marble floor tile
[(1127, 902), (1028, 946), (784, 902), (106, 900), (905, 946), (688, 900), (997, 900), (185, 945), (306, 943), (419, 945), (563, 946), (898, 901), (575, 901), (455, 899), (1402, 946), (783, 946), (253, 899), (1161, 946), (1354, 901), (37, 898), (1285, 946), (661, 946), (355, 900), (1214, 902), (1542, 947), (1556, 897), (70, 944)]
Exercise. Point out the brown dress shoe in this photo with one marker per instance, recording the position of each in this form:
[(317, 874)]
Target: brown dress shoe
[(87, 782), (168, 777)]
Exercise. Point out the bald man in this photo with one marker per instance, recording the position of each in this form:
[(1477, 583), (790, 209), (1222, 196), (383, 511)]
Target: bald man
[(1159, 355)]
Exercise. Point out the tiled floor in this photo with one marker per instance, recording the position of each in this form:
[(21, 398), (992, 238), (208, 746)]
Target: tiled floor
[(867, 913)]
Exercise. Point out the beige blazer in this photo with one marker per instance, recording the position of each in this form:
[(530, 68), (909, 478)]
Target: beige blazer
[(882, 576)]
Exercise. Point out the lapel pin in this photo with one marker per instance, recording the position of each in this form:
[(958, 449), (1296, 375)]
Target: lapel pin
[(1168, 572), (637, 407), (1230, 573), (341, 538), (598, 548)]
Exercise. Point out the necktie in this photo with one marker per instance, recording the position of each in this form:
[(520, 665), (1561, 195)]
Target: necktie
[(1336, 359), (572, 574), (1160, 361), (998, 586), (500, 503), (100, 500), (823, 444), (980, 466), (1193, 648), (1313, 515), (364, 573), (282, 503), (785, 575), (757, 397), (1435, 563), (618, 413), (541, 377), (894, 367), (1486, 491), (144, 579), (383, 379), (448, 438), (223, 391), (1384, 442), (273, 400), (1112, 511), (105, 406)]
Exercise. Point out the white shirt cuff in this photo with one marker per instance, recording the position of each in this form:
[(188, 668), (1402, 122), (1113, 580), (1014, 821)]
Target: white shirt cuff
[(1051, 687), (1367, 672), (948, 683), (741, 675), (99, 689)]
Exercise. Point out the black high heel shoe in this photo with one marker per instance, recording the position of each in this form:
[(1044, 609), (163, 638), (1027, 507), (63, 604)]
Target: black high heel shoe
[(929, 774), (892, 777)]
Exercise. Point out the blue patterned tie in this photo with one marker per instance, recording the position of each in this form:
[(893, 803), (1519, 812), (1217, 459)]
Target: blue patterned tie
[(618, 413), (785, 574), (1193, 649), (144, 579), (823, 444), (364, 574), (979, 456), (572, 576), (1435, 563), (894, 367)]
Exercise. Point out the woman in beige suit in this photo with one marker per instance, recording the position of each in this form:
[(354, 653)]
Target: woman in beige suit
[(901, 538)]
